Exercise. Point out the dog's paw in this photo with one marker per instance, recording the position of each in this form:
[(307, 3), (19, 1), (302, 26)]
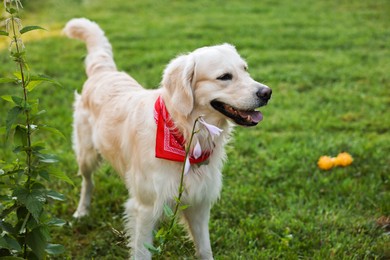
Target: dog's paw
[(80, 213)]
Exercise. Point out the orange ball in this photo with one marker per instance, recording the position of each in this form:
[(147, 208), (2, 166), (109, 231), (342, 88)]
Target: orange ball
[(343, 159), (326, 162)]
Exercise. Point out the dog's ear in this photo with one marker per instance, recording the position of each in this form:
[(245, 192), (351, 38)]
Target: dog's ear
[(177, 80)]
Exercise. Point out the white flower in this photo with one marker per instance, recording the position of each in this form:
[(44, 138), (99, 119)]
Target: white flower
[(8, 24), (197, 152), (187, 165), (16, 46), (213, 130), (14, 21), (6, 2), (17, 2)]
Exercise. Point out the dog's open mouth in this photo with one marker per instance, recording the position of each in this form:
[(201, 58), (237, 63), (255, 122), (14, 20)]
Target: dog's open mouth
[(240, 117)]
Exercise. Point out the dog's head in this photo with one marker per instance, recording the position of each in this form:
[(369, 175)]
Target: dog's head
[(215, 80)]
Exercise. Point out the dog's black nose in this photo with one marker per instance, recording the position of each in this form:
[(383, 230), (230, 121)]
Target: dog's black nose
[(264, 93)]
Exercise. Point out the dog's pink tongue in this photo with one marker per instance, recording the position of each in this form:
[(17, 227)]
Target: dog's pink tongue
[(252, 116), (257, 116)]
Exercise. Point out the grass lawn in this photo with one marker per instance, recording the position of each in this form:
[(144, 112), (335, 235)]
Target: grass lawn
[(328, 64)]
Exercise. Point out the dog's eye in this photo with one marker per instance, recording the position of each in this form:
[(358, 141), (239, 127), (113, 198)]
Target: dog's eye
[(226, 76)]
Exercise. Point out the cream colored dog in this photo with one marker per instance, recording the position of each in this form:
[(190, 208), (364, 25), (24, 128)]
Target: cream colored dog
[(139, 130)]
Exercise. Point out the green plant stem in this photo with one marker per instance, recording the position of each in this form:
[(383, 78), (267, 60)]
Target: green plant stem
[(181, 188), (27, 113), (20, 62)]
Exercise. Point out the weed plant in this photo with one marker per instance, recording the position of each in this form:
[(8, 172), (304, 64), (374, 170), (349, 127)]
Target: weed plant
[(24, 197)]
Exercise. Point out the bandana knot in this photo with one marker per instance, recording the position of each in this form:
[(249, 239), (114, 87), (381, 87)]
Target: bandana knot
[(170, 143)]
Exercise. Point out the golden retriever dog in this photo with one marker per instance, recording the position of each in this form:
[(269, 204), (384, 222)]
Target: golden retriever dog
[(143, 133)]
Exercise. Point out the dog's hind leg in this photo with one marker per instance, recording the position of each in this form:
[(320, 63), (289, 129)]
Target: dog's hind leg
[(87, 158), (85, 170)]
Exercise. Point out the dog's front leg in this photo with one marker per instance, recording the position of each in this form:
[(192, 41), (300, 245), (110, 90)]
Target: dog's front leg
[(140, 223), (197, 218)]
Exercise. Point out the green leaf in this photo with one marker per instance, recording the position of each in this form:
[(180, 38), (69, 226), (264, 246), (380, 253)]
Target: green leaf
[(55, 249), (4, 33), (53, 131), (13, 99), (18, 75), (12, 116), (31, 28), (38, 146), (56, 222), (7, 227), (38, 186), (17, 100), (11, 258), (7, 80), (44, 174), (35, 114), (184, 207), (8, 98), (32, 84), (18, 57), (35, 80), (21, 134), (60, 175), (12, 10), (12, 243), (3, 243), (177, 199), (33, 200), (152, 248), (168, 211), (36, 239), (22, 212), (161, 233), (47, 158), (18, 149), (55, 195), (44, 78)]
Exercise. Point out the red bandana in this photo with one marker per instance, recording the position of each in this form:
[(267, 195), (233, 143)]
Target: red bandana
[(170, 143)]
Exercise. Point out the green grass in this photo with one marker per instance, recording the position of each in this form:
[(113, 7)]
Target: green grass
[(328, 65)]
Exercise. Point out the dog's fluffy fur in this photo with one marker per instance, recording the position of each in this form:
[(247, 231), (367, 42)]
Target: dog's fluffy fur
[(114, 119)]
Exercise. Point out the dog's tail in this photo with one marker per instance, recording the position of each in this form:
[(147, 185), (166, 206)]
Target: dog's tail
[(100, 57)]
